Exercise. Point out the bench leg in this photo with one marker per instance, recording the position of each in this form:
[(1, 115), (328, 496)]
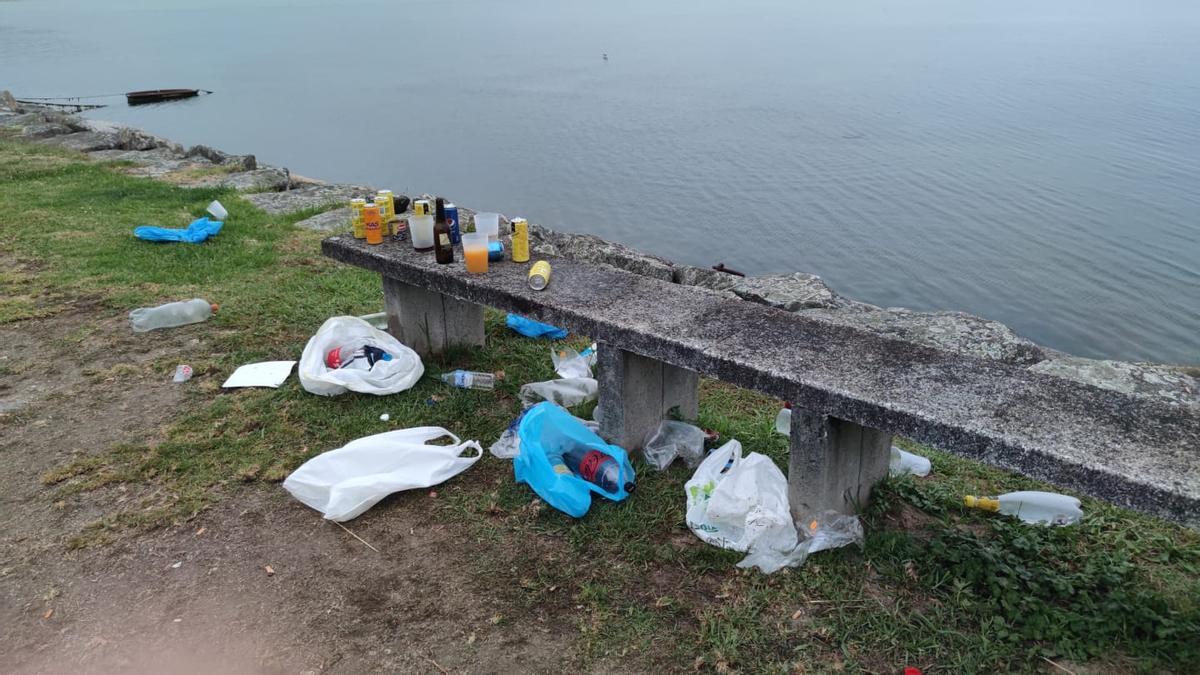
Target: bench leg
[(636, 393), (428, 322), (833, 464)]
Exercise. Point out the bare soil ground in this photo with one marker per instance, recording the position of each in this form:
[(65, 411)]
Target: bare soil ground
[(258, 583)]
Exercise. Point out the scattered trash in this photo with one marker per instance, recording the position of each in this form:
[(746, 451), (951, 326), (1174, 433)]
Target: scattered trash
[(569, 363), (1036, 508), (177, 565), (201, 229), (566, 392), (509, 443), (466, 379), (171, 315), (264, 374), (345, 482), (217, 210), (783, 421), (741, 503), (360, 357), (269, 570), (674, 439), (49, 613), (201, 531), (530, 328), (390, 376), (384, 417), (183, 373), (903, 462), (539, 275), (564, 461)]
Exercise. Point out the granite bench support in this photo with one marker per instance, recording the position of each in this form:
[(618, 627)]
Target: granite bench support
[(636, 393), (429, 322), (850, 388)]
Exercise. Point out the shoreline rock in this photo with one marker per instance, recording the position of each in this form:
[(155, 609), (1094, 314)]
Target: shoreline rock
[(276, 191)]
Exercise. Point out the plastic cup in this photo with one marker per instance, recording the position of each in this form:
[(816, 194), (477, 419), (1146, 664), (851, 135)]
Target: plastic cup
[(475, 252), (218, 211), (489, 224)]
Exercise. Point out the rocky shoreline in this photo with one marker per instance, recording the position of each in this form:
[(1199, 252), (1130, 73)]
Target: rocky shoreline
[(278, 191)]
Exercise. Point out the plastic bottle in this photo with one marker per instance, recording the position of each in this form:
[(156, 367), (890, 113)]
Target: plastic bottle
[(783, 421), (594, 467), (359, 357), (171, 314), (466, 379), (1045, 508)]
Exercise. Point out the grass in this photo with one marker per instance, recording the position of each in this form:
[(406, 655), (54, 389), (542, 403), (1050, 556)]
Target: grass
[(935, 586)]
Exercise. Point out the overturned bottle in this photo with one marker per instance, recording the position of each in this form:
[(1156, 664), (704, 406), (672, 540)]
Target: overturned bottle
[(171, 315), (595, 467), (1037, 508), (360, 357), (466, 379)]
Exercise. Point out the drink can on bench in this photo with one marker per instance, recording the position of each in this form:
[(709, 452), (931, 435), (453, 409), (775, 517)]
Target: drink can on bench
[(387, 210), (452, 221), (520, 240), (539, 275), (371, 224), (356, 218)]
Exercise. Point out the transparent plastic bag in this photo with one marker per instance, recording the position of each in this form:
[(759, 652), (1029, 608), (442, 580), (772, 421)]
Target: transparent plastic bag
[(569, 363), (565, 392), (674, 439)]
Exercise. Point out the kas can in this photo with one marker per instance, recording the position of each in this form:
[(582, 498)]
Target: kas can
[(356, 218), (539, 275), (520, 240), (371, 224), (452, 221)]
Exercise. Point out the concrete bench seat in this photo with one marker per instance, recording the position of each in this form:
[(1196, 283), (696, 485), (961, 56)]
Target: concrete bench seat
[(850, 389)]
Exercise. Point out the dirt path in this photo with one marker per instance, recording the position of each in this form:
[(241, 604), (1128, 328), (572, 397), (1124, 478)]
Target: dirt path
[(198, 597)]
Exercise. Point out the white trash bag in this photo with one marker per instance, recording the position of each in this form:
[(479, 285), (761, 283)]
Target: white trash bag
[(741, 503), (673, 439), (398, 374), (345, 482), (565, 392)]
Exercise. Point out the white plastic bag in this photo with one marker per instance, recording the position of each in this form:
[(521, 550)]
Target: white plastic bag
[(565, 392), (345, 482), (674, 439), (741, 503), (385, 377)]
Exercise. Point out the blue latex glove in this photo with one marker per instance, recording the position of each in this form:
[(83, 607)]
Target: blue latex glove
[(533, 329), (198, 231)]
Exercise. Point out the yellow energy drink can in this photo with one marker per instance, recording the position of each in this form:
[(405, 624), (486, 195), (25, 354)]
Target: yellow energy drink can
[(387, 210), (421, 207), (356, 218), (539, 275), (520, 241)]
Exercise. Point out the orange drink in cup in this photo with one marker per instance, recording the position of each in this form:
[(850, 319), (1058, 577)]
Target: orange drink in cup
[(475, 251)]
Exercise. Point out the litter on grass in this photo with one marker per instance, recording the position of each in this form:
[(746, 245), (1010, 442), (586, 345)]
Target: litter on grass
[(566, 392), (264, 374), (369, 360), (569, 363), (345, 482), (674, 439), (183, 373), (201, 229), (509, 443), (534, 329)]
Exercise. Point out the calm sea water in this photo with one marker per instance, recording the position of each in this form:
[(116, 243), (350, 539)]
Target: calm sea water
[(1033, 162)]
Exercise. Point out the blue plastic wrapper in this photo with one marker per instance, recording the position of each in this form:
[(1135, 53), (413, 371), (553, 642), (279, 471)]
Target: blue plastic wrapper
[(546, 432), (530, 328), (198, 231)]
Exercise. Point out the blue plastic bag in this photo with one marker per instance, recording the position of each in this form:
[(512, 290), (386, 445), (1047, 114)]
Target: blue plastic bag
[(198, 231), (546, 431), (530, 328)]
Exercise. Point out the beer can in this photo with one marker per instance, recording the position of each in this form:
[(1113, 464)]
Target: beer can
[(356, 218), (371, 224), (421, 207), (539, 275), (520, 240), (387, 210), (452, 221)]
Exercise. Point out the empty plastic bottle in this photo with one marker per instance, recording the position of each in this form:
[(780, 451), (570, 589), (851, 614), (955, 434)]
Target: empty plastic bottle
[(466, 379), (171, 314), (594, 467), (362, 357), (1044, 508)]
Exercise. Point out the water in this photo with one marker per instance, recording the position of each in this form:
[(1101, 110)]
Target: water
[(1036, 163)]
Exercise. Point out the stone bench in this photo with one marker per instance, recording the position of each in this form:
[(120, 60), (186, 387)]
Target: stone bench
[(851, 389)]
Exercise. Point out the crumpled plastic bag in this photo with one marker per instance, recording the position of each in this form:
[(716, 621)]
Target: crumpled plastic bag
[(547, 432), (534, 329), (201, 228), (345, 482), (741, 503), (566, 392), (569, 363), (674, 439), (385, 377)]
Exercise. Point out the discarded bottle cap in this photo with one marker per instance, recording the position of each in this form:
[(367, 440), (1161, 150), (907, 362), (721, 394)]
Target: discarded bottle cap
[(214, 307)]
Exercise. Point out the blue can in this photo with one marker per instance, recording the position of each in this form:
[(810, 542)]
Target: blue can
[(452, 221)]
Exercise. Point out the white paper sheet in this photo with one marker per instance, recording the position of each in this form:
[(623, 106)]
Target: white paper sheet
[(265, 374)]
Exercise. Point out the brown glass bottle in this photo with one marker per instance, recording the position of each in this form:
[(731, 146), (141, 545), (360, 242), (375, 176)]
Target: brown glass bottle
[(443, 248)]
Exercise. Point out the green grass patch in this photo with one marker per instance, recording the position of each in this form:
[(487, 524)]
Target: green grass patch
[(936, 586)]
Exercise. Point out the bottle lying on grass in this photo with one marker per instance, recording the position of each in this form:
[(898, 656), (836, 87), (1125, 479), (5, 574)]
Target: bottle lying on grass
[(594, 467), (466, 379), (171, 315), (1037, 508)]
